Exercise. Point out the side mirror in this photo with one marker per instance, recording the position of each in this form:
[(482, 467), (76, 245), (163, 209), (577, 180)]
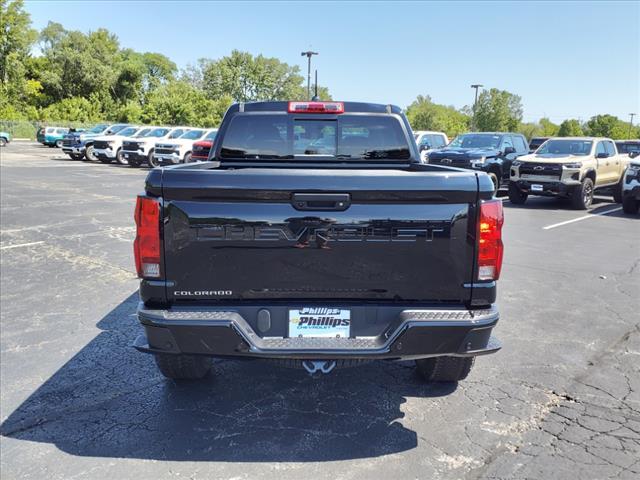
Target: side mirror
[(425, 146), (509, 150), (602, 155)]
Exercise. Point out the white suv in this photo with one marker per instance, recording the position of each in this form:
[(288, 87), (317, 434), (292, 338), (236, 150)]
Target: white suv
[(631, 187), (108, 148), (429, 141), (179, 150), (140, 150)]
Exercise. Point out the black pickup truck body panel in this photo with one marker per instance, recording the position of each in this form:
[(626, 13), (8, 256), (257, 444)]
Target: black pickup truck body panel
[(395, 244)]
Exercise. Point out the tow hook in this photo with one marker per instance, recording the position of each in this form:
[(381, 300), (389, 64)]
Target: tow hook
[(313, 366)]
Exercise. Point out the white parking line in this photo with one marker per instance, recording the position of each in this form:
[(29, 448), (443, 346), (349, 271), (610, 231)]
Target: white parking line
[(7, 247), (549, 227)]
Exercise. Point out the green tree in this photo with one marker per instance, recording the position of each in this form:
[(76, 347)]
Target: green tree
[(74, 109), (180, 103), (602, 125), (423, 114), (16, 39), (247, 78), (79, 64), (570, 128), (498, 110), (548, 128), (530, 129)]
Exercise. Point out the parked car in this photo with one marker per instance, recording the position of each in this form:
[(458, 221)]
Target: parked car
[(262, 254), (5, 137), (52, 136), (180, 149), (202, 147), (629, 147), (631, 188), (490, 152), (140, 150), (572, 167), (108, 148), (535, 143), (428, 141), (79, 145)]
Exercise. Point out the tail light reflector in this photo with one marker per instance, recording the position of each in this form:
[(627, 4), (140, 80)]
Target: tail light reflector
[(490, 247), (146, 247), (316, 107)]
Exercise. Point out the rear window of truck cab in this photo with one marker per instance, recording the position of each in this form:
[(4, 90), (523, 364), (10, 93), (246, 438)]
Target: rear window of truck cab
[(345, 137)]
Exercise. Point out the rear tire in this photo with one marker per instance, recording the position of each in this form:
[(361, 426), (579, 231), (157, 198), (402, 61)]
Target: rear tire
[(444, 369), (3, 142), (630, 205), (582, 195), (183, 367), (517, 196), (187, 157), (59, 143)]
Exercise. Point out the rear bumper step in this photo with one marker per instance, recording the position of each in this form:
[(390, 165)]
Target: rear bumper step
[(415, 333)]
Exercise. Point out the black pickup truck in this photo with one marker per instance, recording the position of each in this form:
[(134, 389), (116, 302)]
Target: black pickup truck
[(490, 152), (315, 236)]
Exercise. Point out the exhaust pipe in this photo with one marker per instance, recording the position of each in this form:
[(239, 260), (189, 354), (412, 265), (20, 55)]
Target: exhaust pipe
[(313, 366)]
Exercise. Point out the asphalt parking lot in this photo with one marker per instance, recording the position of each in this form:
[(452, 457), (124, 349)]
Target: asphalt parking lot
[(561, 400)]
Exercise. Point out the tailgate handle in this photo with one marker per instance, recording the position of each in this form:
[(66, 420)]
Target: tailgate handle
[(321, 201)]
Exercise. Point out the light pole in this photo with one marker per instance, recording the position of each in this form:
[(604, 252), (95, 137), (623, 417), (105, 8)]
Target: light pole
[(631, 123), (475, 102), (308, 54)]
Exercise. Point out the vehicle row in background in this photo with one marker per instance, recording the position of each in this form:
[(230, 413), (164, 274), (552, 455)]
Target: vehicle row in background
[(570, 167), (134, 145)]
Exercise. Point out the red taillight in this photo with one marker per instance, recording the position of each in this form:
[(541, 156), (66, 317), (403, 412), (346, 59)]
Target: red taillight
[(146, 247), (490, 247), (316, 107)]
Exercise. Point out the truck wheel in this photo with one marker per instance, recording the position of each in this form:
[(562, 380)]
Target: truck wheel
[(183, 367), (444, 369), (582, 195), (120, 157), (59, 143), (187, 157), (630, 205), (89, 155), (3, 142), (516, 196), (617, 191), (151, 160)]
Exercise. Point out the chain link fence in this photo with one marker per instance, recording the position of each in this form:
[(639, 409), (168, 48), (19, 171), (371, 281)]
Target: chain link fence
[(28, 129)]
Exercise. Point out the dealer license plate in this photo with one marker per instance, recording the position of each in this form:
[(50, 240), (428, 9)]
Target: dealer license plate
[(319, 322), (537, 188)]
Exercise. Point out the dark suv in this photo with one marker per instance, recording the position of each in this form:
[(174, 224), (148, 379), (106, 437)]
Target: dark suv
[(491, 152)]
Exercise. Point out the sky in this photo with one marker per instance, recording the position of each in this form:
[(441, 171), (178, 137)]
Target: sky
[(565, 59)]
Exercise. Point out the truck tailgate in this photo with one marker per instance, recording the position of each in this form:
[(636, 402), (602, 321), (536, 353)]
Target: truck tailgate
[(258, 234)]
